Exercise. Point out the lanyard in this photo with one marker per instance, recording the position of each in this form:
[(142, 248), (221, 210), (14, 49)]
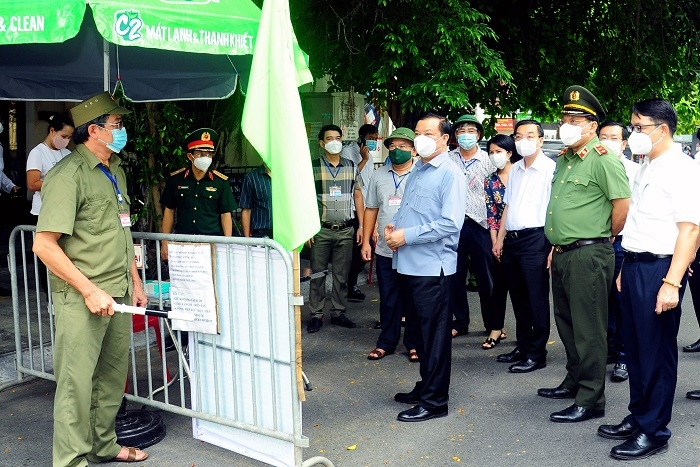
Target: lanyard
[(467, 165), (111, 178), (401, 179), (328, 166)]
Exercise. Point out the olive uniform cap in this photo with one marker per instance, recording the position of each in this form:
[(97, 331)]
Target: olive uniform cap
[(203, 138), (400, 133), (96, 106), (469, 119), (580, 101)]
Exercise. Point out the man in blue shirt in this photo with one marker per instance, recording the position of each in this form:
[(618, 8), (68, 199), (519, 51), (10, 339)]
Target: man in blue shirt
[(424, 236)]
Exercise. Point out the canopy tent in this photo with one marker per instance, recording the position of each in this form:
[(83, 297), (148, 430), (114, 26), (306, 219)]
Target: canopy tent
[(160, 49)]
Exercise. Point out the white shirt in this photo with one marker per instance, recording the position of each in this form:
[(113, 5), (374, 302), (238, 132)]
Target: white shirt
[(476, 170), (352, 152), (43, 158), (631, 169), (527, 193), (666, 191)]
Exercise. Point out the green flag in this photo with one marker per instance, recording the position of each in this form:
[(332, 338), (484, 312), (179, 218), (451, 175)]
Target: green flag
[(274, 125)]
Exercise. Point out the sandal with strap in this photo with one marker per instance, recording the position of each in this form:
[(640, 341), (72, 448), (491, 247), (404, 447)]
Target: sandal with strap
[(503, 336), (413, 356), (490, 343), (132, 455), (378, 354)]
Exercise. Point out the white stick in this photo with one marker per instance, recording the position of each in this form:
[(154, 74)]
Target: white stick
[(134, 310)]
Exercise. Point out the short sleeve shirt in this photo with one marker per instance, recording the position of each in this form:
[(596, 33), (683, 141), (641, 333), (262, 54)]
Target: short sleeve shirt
[(335, 187), (43, 159), (475, 171), (583, 188), (198, 204), (80, 202)]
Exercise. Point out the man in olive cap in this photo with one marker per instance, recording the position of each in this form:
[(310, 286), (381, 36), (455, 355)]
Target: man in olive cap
[(84, 238), (588, 204), (474, 240), (202, 198), (384, 194)]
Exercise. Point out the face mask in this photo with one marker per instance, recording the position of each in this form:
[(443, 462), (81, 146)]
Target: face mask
[(466, 141), (640, 143), (614, 147), (425, 145), (398, 157), (119, 140), (570, 134), (333, 147), (59, 142), (371, 144), (202, 163), (499, 159), (526, 148)]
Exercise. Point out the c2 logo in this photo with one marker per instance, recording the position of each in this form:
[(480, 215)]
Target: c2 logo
[(128, 24)]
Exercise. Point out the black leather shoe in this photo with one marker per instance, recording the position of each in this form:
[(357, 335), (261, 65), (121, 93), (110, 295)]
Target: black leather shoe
[(419, 414), (694, 347), (619, 373), (343, 321), (694, 395), (356, 294), (575, 413), (378, 325), (412, 397), (638, 447), (526, 366), (515, 356), (624, 430), (557, 393), (314, 325)]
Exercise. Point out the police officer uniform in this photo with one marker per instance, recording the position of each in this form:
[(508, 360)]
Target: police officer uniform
[(578, 224), (198, 203)]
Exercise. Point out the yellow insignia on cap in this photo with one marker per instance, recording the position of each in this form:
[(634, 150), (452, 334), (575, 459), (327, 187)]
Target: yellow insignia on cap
[(601, 149), (574, 96), (206, 136)]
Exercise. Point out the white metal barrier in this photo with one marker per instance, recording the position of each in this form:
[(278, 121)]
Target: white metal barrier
[(243, 388)]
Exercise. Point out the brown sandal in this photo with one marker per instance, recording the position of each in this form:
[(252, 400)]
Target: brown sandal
[(132, 456), (413, 356), (378, 354)]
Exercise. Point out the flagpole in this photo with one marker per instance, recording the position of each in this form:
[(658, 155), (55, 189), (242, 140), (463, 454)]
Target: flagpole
[(297, 324)]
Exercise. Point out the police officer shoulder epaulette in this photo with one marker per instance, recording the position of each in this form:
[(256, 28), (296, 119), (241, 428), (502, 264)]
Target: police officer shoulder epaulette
[(601, 149), (562, 152), (178, 171), (219, 174)]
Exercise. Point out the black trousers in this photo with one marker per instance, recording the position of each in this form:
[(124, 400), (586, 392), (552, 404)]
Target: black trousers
[(525, 262), (694, 286), (431, 301), (391, 307), (475, 248), (650, 346), (357, 264), (616, 348)]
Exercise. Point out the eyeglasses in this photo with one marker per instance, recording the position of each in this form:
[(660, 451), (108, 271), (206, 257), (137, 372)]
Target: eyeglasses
[(638, 128), (469, 130), (198, 154), (403, 147), (528, 137), (119, 125), (573, 121)]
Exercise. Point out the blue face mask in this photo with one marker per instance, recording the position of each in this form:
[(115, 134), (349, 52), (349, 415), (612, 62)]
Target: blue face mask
[(371, 144), (119, 140), (466, 140)]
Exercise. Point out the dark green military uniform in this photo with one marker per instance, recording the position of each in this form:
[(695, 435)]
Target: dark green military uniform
[(198, 203), (580, 208)]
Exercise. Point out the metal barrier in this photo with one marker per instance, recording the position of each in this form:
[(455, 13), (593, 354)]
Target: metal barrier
[(258, 402)]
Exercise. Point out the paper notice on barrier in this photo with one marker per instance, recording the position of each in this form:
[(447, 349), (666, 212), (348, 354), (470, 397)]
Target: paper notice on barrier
[(192, 286)]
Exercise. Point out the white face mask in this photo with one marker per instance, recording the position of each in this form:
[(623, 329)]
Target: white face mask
[(571, 134), (640, 143), (526, 147), (614, 147), (202, 163), (333, 147), (499, 159), (425, 145)]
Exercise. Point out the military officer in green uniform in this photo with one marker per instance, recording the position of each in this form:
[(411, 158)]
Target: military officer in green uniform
[(201, 197), (588, 204)]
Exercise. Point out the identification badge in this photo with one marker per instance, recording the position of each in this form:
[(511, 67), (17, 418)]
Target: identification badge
[(335, 191), (125, 219), (394, 201)]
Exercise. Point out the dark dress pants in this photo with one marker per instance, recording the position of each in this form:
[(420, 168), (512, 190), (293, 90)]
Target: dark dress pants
[(474, 251), (392, 307), (694, 286), (525, 262), (616, 348), (650, 345), (431, 299)]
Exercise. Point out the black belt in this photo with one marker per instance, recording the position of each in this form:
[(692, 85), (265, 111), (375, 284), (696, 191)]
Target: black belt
[(579, 244), (336, 225), (644, 256), (522, 232)]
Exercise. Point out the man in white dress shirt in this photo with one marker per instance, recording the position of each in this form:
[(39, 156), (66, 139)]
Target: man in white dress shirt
[(660, 240)]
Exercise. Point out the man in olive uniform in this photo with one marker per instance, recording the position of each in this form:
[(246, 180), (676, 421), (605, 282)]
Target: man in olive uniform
[(589, 203), (202, 198), (83, 237)]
